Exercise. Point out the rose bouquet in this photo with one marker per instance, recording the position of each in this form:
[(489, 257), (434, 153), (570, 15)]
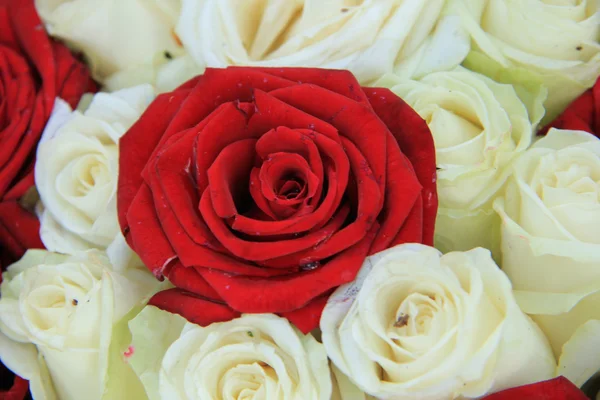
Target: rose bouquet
[(349, 200)]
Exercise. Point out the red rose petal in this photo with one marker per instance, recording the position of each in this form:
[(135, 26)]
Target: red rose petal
[(19, 229), (272, 113), (292, 292), (355, 121), (554, 389), (228, 176), (259, 251), (309, 316), (218, 86), (339, 81), (148, 239), (195, 309), (416, 142), (337, 177), (138, 144), (403, 190), (295, 141), (227, 127), (188, 279)]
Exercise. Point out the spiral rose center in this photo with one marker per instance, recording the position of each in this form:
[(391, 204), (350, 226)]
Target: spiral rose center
[(452, 124), (51, 304), (286, 182), (248, 381), (415, 314), (81, 175)]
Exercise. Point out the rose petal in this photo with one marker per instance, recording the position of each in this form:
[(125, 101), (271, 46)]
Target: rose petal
[(195, 309), (416, 142), (339, 81), (139, 143), (292, 292), (147, 237)]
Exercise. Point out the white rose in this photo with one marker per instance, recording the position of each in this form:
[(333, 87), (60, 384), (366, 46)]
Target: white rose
[(61, 328), (258, 356), (76, 169), (419, 325), (557, 39), (551, 245), (479, 127), (368, 38), (133, 39)]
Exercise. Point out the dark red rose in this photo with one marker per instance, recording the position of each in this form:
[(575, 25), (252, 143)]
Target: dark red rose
[(261, 190), (582, 115), (34, 70), (12, 387), (555, 389)]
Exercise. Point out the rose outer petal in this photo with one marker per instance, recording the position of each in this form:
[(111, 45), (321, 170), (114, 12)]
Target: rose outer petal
[(196, 309), (416, 142), (289, 293)]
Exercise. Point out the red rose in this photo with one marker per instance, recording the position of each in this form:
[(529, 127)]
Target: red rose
[(12, 387), (261, 190), (582, 115), (33, 71), (555, 389)]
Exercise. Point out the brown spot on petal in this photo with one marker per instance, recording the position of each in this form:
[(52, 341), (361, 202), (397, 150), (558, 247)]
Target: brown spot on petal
[(402, 321), (176, 38), (29, 199)]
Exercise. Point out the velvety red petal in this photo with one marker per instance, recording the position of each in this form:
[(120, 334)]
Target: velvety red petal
[(337, 173), (336, 80), (147, 237), (259, 251), (138, 144), (355, 121), (188, 279), (195, 309), (175, 206), (583, 114), (416, 142), (402, 191), (308, 317), (272, 113), (555, 389), (228, 176), (296, 141), (412, 231), (221, 85), (18, 390), (289, 293), (19, 229)]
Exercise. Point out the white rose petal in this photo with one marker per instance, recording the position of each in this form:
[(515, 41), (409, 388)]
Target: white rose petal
[(479, 127), (419, 325), (257, 356), (559, 40), (369, 38), (57, 315), (551, 245), (139, 44), (76, 170)]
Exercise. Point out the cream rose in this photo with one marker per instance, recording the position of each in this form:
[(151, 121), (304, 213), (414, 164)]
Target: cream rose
[(60, 324), (419, 325), (126, 42), (557, 39), (551, 245), (76, 169), (259, 356), (368, 37), (479, 127)]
